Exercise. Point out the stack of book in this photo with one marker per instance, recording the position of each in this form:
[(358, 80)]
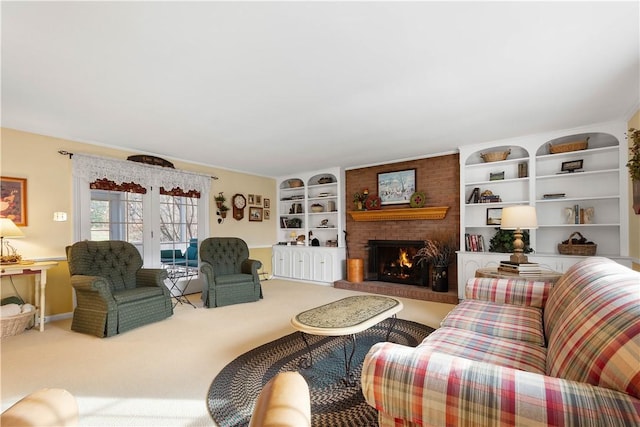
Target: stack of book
[(523, 269)]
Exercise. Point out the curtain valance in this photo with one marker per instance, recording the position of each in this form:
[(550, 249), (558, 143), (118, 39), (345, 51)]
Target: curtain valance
[(93, 168)]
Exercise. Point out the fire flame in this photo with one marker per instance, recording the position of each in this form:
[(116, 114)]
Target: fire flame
[(403, 258)]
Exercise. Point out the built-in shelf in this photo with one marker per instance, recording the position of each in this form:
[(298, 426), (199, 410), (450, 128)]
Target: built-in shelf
[(438, 212)]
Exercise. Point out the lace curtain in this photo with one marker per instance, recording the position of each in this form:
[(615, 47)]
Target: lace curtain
[(93, 168)]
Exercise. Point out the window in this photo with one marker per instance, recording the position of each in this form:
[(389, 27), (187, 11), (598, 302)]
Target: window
[(117, 215), (178, 230)]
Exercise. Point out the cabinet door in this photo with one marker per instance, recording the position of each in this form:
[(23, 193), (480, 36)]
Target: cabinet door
[(281, 262), (323, 264), (301, 264)]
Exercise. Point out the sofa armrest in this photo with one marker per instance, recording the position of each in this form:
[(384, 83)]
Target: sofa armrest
[(283, 402), (97, 285), (207, 269), (49, 407), (251, 266), (431, 388), (530, 293), (151, 277)]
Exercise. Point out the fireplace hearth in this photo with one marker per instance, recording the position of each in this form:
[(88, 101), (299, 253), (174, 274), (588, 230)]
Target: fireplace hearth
[(392, 261)]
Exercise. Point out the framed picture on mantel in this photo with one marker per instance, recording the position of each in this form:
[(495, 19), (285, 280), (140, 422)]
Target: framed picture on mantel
[(395, 188)]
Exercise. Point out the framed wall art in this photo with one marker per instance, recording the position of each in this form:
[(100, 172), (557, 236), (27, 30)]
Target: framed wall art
[(396, 188), (267, 203), (13, 199), (255, 214), (267, 214)]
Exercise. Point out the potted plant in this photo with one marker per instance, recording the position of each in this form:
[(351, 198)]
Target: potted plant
[(439, 253), (634, 166), (220, 199), (502, 242)]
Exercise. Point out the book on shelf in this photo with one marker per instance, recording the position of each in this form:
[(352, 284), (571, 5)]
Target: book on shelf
[(474, 197), (474, 242), (493, 198)]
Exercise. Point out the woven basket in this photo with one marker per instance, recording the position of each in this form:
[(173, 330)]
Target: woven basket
[(14, 325), (567, 147), (295, 183), (495, 156), (576, 249)]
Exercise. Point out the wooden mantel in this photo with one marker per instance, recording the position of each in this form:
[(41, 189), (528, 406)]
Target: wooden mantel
[(405, 214)]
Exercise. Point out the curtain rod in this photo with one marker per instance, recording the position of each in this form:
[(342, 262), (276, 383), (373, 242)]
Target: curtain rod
[(67, 153)]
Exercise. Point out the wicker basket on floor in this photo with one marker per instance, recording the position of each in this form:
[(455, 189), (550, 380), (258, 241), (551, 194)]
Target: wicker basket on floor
[(14, 325), (577, 249)]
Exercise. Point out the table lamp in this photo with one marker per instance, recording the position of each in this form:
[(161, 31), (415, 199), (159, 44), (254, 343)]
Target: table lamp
[(8, 229), (518, 218)]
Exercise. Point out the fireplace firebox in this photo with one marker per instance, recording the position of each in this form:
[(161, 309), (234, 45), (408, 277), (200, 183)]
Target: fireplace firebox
[(392, 261)]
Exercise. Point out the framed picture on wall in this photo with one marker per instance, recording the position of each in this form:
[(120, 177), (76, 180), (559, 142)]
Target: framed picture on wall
[(396, 188), (267, 203), (267, 214), (255, 214), (13, 199)]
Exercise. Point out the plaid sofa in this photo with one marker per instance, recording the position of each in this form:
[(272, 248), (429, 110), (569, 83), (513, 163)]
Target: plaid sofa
[(523, 353)]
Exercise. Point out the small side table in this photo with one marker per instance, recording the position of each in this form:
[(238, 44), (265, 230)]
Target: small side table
[(493, 273)]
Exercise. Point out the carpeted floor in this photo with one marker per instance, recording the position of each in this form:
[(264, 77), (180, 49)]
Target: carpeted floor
[(233, 392)]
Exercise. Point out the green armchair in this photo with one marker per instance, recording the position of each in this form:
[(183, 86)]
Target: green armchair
[(114, 293), (230, 277)]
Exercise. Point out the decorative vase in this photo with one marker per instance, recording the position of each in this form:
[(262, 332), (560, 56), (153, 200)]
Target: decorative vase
[(440, 278), (355, 270), (636, 196)]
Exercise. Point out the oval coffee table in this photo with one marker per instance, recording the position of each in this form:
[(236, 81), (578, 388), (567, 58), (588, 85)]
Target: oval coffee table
[(347, 316)]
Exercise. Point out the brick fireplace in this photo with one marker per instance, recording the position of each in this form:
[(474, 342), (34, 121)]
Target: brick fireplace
[(392, 261), (439, 178)]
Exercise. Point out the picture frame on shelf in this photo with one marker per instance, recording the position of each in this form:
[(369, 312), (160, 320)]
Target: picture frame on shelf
[(255, 214), (571, 166), (496, 176), (13, 199), (494, 216), (396, 187)]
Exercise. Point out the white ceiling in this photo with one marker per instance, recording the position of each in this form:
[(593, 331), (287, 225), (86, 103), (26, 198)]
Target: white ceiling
[(273, 88)]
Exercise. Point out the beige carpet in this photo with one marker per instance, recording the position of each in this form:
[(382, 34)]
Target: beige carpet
[(159, 375)]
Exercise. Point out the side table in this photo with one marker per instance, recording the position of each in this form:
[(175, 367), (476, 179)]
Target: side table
[(39, 270), (493, 273)]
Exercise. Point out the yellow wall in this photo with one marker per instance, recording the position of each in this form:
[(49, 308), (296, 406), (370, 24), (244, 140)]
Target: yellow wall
[(634, 220), (49, 189)]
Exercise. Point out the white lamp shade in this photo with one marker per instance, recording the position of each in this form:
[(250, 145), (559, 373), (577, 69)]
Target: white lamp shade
[(523, 217), (9, 229)]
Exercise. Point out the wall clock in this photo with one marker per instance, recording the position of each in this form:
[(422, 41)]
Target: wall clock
[(239, 203)]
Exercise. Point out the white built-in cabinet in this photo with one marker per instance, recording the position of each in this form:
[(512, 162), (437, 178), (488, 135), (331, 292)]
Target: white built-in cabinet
[(311, 205), (600, 186), (316, 264)]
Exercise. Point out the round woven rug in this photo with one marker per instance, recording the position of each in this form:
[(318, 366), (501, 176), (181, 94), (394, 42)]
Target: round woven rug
[(234, 390)]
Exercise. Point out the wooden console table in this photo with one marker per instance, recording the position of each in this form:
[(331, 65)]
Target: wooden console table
[(493, 273), (39, 269)]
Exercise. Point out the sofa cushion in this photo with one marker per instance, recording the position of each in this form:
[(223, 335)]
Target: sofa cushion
[(231, 279), (485, 348), (143, 292), (523, 292), (593, 323), (499, 320)]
